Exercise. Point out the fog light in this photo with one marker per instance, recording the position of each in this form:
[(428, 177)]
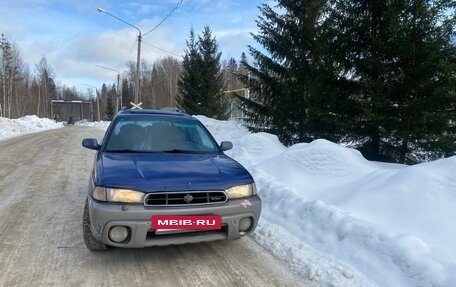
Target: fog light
[(245, 224), (118, 233)]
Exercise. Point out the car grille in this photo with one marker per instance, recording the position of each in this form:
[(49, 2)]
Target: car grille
[(185, 198)]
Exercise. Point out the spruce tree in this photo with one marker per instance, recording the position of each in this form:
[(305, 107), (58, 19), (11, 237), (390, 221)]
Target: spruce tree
[(294, 85), (109, 111), (230, 70), (201, 81), (402, 59), (215, 104), (189, 83), (242, 70)]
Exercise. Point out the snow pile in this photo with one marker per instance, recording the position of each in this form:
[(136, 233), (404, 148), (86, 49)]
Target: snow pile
[(28, 124), (103, 125), (392, 223)]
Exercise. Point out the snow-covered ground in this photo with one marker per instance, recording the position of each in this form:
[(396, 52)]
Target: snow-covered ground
[(339, 219), (395, 224), (28, 124), (101, 125)]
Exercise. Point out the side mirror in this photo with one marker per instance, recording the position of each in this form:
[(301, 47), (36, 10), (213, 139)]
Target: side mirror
[(226, 145), (90, 144)]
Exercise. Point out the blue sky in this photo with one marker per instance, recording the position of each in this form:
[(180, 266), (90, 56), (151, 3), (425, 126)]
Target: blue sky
[(75, 38)]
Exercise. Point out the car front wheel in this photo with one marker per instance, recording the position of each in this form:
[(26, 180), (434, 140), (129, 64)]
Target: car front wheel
[(89, 240)]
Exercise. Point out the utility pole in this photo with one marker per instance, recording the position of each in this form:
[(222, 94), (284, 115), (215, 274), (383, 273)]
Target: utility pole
[(138, 55), (138, 75), (98, 105)]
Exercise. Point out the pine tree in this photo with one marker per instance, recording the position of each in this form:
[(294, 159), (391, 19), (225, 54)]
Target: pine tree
[(215, 103), (242, 70), (127, 94), (109, 111), (402, 59), (189, 83), (379, 73), (293, 86), (201, 81), (230, 70)]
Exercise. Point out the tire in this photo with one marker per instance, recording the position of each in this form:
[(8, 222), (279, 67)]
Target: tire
[(89, 240)]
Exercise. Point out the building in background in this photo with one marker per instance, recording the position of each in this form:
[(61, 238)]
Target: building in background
[(62, 110)]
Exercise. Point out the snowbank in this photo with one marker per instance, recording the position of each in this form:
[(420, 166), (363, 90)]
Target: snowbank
[(28, 124), (393, 223), (103, 125)]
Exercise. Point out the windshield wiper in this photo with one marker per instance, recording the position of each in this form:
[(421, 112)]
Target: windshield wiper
[(178, 151), (123, 150), (147, 151)]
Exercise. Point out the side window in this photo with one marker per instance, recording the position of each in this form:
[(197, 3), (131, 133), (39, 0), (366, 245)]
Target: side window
[(113, 139), (205, 140)]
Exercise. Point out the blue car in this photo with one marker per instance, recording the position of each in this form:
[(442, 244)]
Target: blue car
[(160, 178)]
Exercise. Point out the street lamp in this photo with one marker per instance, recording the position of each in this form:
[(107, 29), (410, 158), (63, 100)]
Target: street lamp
[(119, 90), (101, 10), (98, 100)]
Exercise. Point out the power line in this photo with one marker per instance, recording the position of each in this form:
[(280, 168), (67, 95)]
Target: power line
[(166, 17), (158, 48)]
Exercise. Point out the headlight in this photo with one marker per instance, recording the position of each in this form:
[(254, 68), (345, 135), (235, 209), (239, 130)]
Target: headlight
[(99, 193), (117, 195), (240, 191), (124, 195)]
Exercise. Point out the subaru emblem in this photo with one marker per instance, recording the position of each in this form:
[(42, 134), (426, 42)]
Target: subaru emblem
[(188, 198)]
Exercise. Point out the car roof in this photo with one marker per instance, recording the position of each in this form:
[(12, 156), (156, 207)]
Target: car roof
[(132, 112)]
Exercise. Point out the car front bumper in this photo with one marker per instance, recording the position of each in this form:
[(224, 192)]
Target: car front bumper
[(137, 218)]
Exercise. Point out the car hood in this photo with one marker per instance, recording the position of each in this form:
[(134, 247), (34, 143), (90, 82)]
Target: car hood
[(163, 172)]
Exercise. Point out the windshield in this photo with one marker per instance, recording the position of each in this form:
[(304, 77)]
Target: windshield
[(159, 134)]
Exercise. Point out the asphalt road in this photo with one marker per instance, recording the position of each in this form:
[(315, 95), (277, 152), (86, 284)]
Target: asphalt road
[(43, 185)]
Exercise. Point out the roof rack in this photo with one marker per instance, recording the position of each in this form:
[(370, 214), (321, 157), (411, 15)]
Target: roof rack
[(173, 109), (150, 111)]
